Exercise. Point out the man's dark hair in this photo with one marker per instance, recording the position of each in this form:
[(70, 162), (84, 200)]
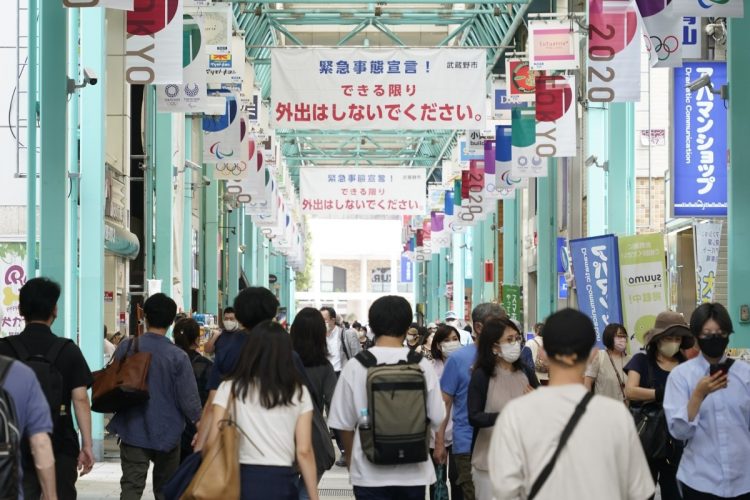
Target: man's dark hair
[(538, 327), (160, 310), (255, 304), (228, 310), (390, 315), (38, 298), (711, 310), (608, 335), (569, 332), (330, 310), (308, 332)]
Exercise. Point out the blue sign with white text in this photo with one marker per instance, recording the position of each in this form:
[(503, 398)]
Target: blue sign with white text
[(596, 269), (700, 142), (502, 101), (407, 270)]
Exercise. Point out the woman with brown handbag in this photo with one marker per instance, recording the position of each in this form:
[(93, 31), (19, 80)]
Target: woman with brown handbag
[(272, 409)]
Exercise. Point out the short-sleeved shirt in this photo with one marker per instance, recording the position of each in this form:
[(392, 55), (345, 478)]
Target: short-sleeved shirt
[(271, 431), (37, 338), (640, 363), (609, 375), (455, 383), (32, 410)]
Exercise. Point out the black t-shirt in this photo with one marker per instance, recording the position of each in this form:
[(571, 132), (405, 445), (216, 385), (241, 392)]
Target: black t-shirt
[(37, 339)]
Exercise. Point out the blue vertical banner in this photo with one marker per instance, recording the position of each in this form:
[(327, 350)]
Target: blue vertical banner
[(407, 270), (700, 142), (597, 276)]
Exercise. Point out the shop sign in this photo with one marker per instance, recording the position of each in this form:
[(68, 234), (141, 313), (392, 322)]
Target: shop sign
[(13, 273), (707, 244), (553, 45), (512, 302)]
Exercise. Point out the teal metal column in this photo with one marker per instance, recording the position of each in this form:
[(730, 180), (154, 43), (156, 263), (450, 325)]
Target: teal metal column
[(739, 177), (71, 235), (210, 250), (187, 221), (596, 185), (546, 266), (442, 279), (457, 252), (433, 290), (163, 202), (31, 170), (511, 257), (93, 55), (54, 182), (621, 178), (232, 249), (250, 257), (263, 260)]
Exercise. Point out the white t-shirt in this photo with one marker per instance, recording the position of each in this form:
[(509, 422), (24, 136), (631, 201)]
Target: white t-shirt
[(603, 459), (333, 340), (351, 396), (272, 431)]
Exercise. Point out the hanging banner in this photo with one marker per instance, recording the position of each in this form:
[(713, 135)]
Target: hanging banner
[(13, 274), (663, 32), (596, 272), (389, 89), (709, 8), (502, 103), (521, 79), (643, 281), (153, 43), (261, 204), (513, 302), (707, 237), (614, 73), (329, 192), (474, 142), (525, 161), (553, 45), (407, 270), (504, 179), (700, 143), (222, 134), (108, 4), (556, 116), (190, 95)]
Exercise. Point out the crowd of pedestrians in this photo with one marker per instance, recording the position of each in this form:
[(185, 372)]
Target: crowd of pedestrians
[(450, 410)]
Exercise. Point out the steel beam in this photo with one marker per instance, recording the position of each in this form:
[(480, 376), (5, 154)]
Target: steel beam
[(31, 149)]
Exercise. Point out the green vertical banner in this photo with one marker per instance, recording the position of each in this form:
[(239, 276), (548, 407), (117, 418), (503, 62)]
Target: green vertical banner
[(512, 302), (643, 283)]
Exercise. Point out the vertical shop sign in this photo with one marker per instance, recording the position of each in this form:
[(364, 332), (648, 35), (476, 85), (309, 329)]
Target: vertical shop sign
[(642, 276), (707, 245), (13, 274), (692, 38), (521, 79), (512, 302), (596, 271), (553, 45)]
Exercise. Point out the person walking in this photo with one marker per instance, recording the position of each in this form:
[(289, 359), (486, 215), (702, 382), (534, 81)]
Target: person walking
[(64, 377), (273, 411), (707, 404), (538, 356), (151, 432), (606, 373), (498, 377), (647, 380), (583, 446)]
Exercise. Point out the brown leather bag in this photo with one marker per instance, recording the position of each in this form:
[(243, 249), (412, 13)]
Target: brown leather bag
[(218, 476), (122, 383)]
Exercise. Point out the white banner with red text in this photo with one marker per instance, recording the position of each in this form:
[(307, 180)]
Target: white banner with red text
[(387, 89)]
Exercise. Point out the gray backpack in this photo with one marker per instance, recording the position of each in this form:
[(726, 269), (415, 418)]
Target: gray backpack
[(399, 431)]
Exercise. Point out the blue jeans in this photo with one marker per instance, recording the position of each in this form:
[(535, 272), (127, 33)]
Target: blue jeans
[(389, 493)]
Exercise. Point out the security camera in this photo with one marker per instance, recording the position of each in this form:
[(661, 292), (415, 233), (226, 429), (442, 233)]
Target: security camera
[(591, 160), (703, 81), (89, 77), (206, 181)]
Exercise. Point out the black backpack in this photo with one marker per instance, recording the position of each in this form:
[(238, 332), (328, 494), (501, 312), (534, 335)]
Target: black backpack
[(9, 439), (50, 378)]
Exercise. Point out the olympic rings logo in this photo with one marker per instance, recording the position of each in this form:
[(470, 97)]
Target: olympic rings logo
[(663, 48)]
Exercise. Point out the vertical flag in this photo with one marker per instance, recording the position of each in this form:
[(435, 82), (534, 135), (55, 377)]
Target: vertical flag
[(526, 162), (189, 96), (663, 32), (504, 178), (555, 116), (154, 42), (222, 134)]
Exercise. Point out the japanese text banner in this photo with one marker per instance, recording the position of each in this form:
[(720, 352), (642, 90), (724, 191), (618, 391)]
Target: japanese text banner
[(596, 272), (707, 246), (333, 192), (388, 89)]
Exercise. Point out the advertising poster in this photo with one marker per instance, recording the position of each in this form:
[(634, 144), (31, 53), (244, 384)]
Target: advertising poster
[(553, 45), (521, 79), (502, 103), (387, 89), (153, 43), (329, 192), (13, 274), (700, 143), (643, 274), (597, 279), (556, 116), (707, 245), (190, 95), (526, 162)]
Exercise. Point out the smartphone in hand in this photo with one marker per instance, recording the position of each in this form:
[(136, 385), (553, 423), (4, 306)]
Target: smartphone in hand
[(720, 367)]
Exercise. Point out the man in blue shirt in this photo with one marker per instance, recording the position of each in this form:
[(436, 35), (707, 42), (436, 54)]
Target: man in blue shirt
[(711, 412), (455, 386), (151, 432)]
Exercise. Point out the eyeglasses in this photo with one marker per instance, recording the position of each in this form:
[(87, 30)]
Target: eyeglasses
[(706, 335), (621, 336), (511, 340)]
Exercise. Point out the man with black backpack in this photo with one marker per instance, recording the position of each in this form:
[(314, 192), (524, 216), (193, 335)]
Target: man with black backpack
[(386, 402), (64, 377)]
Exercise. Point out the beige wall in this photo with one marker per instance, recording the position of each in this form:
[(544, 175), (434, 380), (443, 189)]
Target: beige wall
[(656, 192)]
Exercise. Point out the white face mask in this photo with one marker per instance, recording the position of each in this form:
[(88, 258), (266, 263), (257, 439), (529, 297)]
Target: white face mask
[(510, 352), (669, 349), (449, 348), (620, 344), (230, 325)]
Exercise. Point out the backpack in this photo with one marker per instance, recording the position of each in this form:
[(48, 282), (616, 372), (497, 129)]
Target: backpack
[(9, 439), (540, 364), (399, 431), (50, 378)]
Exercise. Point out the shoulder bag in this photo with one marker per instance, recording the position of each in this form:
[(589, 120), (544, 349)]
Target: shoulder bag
[(569, 428), (619, 380), (122, 384)]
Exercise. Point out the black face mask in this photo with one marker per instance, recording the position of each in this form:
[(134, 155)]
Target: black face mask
[(713, 346)]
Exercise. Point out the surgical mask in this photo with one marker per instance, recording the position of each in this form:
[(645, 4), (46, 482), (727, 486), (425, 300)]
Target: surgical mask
[(230, 325), (510, 352), (621, 344), (713, 346), (449, 348), (669, 349)]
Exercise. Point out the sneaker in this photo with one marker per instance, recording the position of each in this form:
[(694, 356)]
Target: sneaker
[(341, 462)]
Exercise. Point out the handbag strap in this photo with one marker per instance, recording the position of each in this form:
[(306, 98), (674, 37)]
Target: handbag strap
[(569, 428), (619, 378), (231, 420)]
